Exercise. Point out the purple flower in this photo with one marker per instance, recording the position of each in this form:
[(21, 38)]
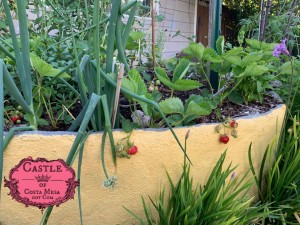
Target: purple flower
[(232, 176), (280, 49)]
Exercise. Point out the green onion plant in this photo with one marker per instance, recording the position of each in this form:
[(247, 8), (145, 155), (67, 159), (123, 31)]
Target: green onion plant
[(95, 87)]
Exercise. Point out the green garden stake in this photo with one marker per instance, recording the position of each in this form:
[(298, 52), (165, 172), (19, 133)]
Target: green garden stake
[(216, 10)]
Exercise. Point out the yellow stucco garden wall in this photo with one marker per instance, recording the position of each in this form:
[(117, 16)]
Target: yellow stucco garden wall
[(142, 175)]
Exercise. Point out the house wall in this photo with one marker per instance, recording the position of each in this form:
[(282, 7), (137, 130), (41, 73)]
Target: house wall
[(179, 16)]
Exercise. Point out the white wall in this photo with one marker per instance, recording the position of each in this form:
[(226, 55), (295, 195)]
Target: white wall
[(179, 15)]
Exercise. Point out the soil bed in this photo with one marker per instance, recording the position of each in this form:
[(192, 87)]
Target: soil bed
[(228, 108)]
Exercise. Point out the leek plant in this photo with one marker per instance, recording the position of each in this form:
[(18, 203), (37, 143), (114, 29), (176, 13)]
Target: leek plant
[(96, 88), (23, 71)]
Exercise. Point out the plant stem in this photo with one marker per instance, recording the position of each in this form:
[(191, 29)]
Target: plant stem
[(207, 79), (172, 93), (153, 31), (232, 89), (117, 96)]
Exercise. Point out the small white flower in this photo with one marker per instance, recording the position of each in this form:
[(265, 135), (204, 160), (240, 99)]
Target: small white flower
[(111, 182)]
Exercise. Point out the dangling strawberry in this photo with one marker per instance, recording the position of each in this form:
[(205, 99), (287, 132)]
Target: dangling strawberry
[(14, 119), (224, 138), (234, 124), (132, 150)]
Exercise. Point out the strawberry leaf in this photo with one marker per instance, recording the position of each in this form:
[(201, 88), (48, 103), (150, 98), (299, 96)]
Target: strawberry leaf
[(171, 106), (181, 69)]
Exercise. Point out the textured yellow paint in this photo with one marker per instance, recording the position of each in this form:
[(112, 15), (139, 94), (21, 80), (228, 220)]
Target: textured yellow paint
[(142, 175)]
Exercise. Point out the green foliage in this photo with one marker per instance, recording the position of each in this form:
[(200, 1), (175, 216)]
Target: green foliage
[(279, 185), (244, 8), (135, 84), (247, 71), (290, 78), (252, 69), (199, 52), (195, 107), (222, 200), (282, 23), (178, 83), (44, 69)]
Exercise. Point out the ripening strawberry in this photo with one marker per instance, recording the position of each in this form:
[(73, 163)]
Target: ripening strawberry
[(132, 150), (234, 124), (224, 138), (14, 119)]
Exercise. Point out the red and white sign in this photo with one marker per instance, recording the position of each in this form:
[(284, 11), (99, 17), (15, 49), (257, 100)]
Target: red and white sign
[(41, 182)]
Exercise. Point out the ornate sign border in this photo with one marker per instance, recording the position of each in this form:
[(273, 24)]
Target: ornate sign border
[(13, 185)]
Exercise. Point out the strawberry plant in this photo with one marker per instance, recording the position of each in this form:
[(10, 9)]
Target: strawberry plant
[(228, 125), (183, 114), (125, 148), (178, 83)]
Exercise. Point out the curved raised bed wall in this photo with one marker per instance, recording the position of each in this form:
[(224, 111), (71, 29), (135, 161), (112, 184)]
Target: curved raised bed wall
[(142, 175)]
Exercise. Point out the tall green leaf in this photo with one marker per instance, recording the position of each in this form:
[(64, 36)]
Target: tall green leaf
[(181, 69)]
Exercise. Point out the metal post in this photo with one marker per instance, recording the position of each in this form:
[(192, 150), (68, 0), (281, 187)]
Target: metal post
[(215, 10)]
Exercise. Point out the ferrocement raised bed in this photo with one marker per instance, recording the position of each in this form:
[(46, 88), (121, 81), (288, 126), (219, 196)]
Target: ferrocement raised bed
[(142, 175)]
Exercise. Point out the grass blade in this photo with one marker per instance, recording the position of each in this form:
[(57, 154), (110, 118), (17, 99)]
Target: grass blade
[(102, 154), (24, 38), (6, 52), (130, 22), (18, 56), (1, 121), (120, 48), (89, 112), (108, 127), (11, 133), (114, 14), (81, 147), (14, 91)]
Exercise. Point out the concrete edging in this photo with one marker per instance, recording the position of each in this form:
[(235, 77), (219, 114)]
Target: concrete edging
[(142, 175)]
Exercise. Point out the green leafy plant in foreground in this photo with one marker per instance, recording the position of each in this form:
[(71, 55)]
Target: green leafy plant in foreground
[(279, 184), (222, 200)]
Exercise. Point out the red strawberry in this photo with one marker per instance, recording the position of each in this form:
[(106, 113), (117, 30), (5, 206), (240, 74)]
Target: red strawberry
[(234, 124), (224, 138), (132, 150), (14, 119)]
